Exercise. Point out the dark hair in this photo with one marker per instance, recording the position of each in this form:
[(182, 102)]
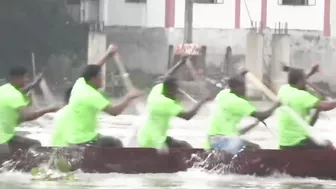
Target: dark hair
[(67, 94), (235, 81), (168, 84), (91, 71), (17, 71), (295, 75)]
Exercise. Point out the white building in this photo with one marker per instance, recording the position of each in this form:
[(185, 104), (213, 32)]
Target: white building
[(305, 15)]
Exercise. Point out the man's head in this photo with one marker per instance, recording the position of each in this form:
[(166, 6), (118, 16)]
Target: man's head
[(237, 85), (297, 78), (18, 76), (93, 75), (170, 88)]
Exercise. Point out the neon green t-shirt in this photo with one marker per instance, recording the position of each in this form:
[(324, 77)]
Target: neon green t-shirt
[(229, 111), (59, 138), (160, 110), (11, 101), (156, 90), (79, 121), (301, 102)]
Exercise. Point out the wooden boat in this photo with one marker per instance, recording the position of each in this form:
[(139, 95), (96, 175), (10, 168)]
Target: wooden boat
[(301, 163)]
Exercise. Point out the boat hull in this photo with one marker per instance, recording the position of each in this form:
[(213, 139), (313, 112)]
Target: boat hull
[(301, 163)]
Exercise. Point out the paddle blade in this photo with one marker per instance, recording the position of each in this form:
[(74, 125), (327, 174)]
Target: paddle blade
[(132, 139)]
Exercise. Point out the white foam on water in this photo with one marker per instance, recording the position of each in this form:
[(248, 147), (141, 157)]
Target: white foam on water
[(190, 179), (194, 131)]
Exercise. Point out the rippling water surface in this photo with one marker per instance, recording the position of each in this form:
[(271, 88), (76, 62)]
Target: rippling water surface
[(194, 132)]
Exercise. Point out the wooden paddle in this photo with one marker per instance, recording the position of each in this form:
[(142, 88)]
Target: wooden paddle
[(187, 95), (140, 107), (284, 107)]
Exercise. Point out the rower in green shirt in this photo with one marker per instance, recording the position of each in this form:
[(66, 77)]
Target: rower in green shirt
[(59, 138), (294, 95), (162, 105), (77, 124), (14, 110), (231, 106)]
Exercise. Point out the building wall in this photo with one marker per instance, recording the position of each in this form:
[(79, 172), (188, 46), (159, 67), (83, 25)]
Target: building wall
[(298, 17), (333, 17), (248, 12), (146, 49), (207, 15), (117, 12), (230, 14)]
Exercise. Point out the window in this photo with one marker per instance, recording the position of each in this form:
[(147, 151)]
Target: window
[(297, 2), (135, 1), (73, 2), (209, 1)]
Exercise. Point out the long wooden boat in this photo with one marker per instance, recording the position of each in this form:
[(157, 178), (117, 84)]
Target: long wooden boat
[(301, 163)]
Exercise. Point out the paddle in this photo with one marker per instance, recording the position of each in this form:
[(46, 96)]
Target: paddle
[(140, 107), (187, 95), (284, 107)]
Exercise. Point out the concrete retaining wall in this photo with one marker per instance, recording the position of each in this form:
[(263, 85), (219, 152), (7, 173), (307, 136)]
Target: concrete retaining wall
[(146, 49)]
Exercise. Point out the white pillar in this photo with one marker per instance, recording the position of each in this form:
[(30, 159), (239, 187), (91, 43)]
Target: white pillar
[(333, 18), (96, 49), (254, 61), (280, 54)]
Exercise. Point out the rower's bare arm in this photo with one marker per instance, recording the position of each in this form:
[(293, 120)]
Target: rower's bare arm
[(326, 105), (313, 70), (262, 115), (110, 52), (33, 84), (187, 115), (118, 109), (28, 115)]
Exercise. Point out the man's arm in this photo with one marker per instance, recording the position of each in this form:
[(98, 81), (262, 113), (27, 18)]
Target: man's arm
[(326, 105), (110, 52), (118, 109), (187, 115), (28, 115), (262, 115), (33, 84), (313, 70)]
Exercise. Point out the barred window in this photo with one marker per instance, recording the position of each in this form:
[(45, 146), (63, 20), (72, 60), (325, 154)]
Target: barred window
[(297, 2)]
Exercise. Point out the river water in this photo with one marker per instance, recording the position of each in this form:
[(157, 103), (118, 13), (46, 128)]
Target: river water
[(194, 132)]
